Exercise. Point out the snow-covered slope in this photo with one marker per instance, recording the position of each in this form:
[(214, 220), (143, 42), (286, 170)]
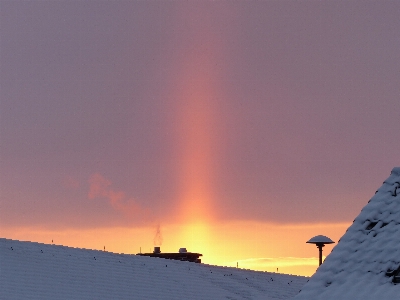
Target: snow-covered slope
[(363, 265), (39, 271)]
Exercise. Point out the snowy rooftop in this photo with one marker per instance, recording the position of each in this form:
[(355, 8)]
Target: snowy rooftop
[(364, 264), (39, 271)]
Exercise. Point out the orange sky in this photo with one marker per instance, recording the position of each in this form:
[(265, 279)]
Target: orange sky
[(241, 130), (253, 245), (195, 101)]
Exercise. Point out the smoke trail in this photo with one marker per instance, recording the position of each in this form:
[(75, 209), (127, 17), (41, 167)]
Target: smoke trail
[(158, 239)]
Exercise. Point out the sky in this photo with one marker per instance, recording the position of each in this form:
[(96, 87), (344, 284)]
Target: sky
[(235, 129)]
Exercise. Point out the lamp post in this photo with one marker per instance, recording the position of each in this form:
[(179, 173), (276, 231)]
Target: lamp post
[(320, 241)]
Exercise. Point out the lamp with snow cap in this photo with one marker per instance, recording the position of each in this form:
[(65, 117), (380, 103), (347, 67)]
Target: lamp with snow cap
[(320, 241)]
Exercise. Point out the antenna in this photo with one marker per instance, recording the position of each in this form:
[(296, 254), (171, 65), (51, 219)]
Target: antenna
[(320, 241)]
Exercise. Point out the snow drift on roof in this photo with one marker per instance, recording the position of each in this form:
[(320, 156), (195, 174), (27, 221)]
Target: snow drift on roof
[(365, 264)]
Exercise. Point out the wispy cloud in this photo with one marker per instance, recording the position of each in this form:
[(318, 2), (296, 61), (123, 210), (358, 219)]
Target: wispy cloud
[(269, 263), (100, 187)]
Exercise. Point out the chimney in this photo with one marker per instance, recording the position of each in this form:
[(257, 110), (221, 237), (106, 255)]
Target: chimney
[(157, 250)]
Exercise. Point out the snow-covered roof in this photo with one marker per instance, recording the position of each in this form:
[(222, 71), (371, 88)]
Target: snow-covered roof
[(39, 271), (363, 265)]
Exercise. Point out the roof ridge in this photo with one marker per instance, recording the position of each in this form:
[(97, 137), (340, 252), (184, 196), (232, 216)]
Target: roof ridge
[(364, 263), (396, 171)]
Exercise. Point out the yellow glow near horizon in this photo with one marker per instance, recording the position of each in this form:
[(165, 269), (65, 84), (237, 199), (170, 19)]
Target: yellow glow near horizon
[(251, 245), (196, 237)]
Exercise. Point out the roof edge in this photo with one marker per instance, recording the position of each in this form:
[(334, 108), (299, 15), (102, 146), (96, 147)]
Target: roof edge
[(396, 171)]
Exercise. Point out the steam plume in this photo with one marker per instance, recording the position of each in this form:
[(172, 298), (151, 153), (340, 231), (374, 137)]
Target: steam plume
[(158, 239)]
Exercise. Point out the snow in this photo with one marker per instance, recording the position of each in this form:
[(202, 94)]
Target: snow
[(39, 271), (320, 239), (361, 265)]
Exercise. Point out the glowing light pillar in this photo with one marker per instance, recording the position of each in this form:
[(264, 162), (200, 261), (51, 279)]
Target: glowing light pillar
[(320, 241)]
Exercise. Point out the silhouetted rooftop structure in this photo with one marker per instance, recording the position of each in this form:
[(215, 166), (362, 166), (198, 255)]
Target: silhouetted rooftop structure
[(182, 255)]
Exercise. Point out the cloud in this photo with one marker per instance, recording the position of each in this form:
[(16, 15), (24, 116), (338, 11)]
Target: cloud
[(100, 187), (276, 262)]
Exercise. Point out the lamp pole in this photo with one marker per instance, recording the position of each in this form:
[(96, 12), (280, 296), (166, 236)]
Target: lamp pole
[(319, 246), (320, 241)]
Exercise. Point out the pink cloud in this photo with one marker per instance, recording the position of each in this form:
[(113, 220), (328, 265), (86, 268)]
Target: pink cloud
[(100, 187)]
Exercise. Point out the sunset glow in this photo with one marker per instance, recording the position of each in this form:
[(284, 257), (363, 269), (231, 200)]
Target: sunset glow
[(195, 129), (235, 129), (248, 245)]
